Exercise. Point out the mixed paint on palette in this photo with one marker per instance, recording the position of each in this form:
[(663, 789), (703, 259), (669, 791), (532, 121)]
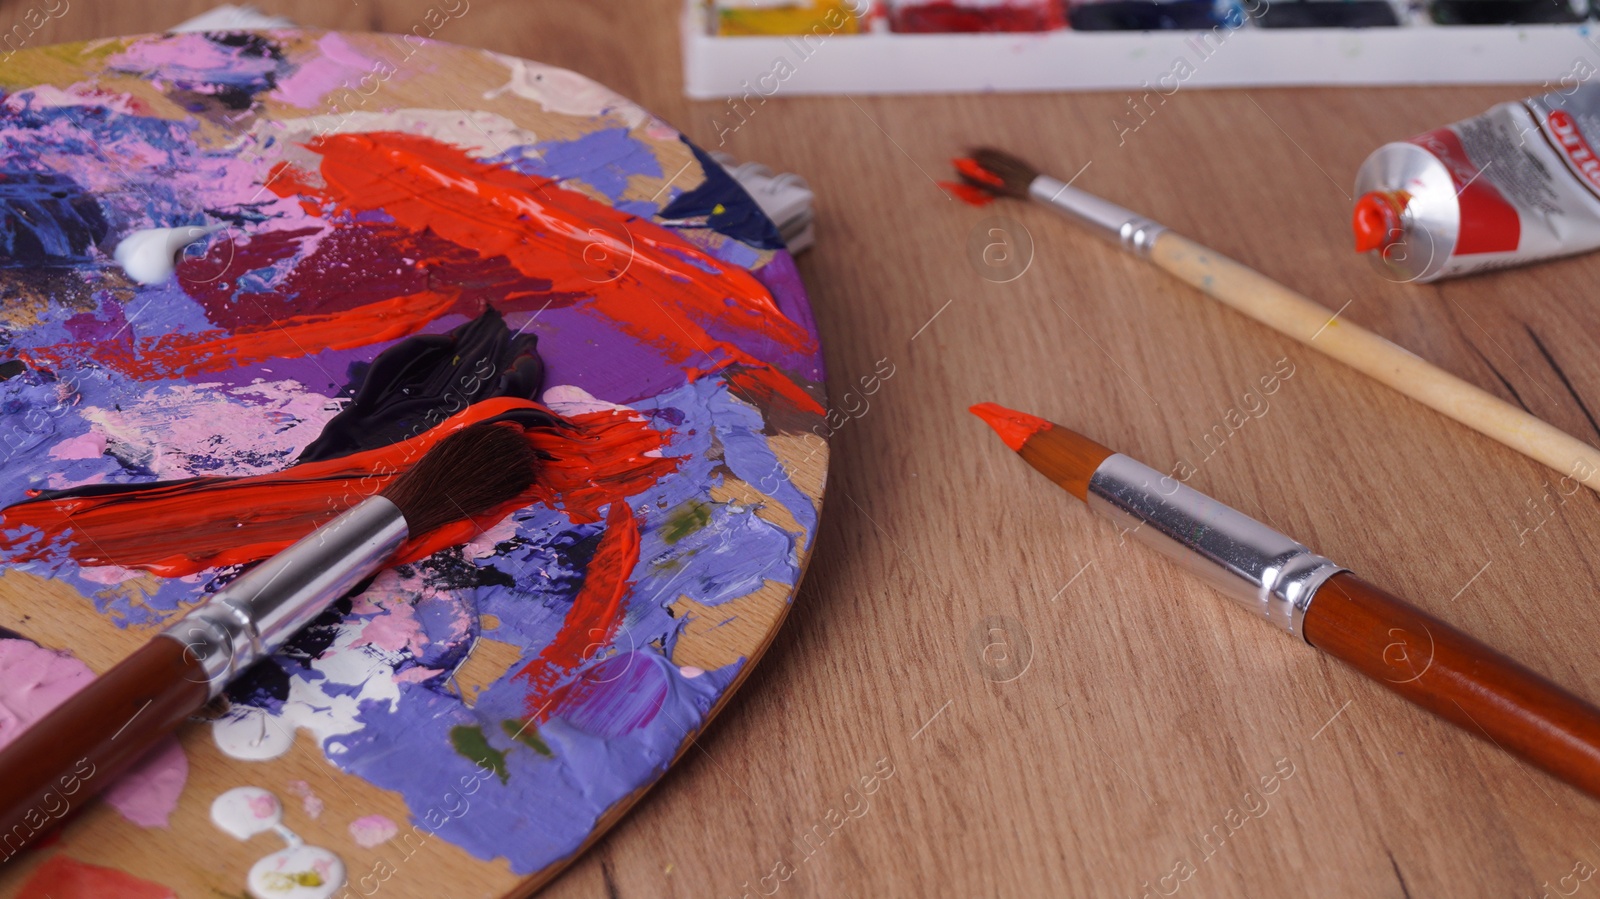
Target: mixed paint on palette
[(365, 279)]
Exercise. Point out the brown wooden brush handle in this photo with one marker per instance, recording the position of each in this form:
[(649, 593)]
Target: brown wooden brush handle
[(56, 766), (1457, 678)]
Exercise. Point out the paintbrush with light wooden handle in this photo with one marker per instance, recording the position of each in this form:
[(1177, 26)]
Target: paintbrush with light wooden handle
[(1291, 314), (1405, 649)]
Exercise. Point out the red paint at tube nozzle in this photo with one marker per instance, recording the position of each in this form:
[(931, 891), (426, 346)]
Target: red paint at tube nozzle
[(1517, 184)]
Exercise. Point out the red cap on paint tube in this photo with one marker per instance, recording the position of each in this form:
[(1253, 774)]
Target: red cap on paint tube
[(1377, 219)]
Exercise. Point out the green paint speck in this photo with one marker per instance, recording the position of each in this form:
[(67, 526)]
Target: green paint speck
[(470, 742), (528, 735), (685, 520)]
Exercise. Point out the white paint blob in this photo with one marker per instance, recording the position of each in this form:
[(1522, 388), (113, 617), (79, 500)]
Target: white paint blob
[(150, 255), (297, 871), (481, 134), (252, 734), (243, 812), (565, 92), (569, 399)]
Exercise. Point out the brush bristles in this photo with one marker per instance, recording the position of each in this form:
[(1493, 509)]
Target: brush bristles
[(1010, 176), (465, 474)]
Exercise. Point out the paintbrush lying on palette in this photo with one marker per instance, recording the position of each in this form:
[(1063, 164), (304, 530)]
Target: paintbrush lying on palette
[(86, 742), (1407, 650), (1295, 315)]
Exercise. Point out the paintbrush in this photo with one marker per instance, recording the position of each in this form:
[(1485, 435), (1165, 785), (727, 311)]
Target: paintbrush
[(84, 744), (1402, 647), (1290, 313)]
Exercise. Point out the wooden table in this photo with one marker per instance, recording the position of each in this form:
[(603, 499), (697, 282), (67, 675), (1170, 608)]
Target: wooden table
[(1063, 714)]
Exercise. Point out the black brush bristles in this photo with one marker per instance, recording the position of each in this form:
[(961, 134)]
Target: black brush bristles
[(467, 473), (1008, 175)]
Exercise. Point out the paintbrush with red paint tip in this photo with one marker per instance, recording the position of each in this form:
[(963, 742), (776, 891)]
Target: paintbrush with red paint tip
[(1396, 644), (84, 744), (999, 173)]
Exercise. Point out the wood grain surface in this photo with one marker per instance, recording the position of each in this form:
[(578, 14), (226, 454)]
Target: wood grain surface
[(1064, 714)]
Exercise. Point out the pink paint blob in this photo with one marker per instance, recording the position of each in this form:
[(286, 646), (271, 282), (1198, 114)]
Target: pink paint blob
[(188, 59), (337, 65), (372, 831), (312, 803), (90, 445), (148, 794), (264, 806), (34, 680), (395, 630), (110, 575)]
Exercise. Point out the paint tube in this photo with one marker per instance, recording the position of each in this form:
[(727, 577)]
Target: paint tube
[(1514, 185)]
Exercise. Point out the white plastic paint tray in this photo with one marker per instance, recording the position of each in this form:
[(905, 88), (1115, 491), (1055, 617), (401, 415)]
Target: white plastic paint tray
[(880, 62)]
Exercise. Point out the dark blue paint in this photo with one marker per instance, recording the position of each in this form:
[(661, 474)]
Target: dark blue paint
[(739, 218)]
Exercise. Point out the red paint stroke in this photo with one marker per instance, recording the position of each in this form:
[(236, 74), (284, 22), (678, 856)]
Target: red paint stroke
[(595, 612), (605, 460), (369, 261), (763, 386), (173, 355), (655, 285), (61, 877), (1013, 427), (185, 527), (974, 171), (966, 193), (425, 230)]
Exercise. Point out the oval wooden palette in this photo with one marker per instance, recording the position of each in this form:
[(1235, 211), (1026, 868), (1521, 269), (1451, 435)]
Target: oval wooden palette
[(475, 718)]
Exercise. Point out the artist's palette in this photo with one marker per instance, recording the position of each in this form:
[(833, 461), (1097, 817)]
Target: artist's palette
[(481, 713)]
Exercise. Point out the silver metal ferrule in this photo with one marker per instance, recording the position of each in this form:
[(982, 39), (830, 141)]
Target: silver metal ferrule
[(1135, 232), (262, 608), (1264, 570)]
